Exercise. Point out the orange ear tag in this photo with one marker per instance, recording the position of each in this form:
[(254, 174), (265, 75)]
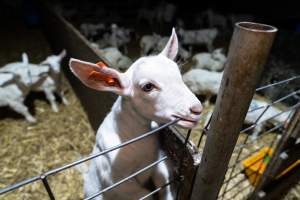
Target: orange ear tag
[(97, 75)]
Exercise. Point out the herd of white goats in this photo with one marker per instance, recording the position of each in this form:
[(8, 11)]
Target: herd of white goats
[(204, 77), (18, 79)]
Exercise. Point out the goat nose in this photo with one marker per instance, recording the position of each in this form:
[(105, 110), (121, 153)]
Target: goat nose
[(196, 109)]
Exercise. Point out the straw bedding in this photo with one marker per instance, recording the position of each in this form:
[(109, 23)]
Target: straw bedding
[(56, 139)]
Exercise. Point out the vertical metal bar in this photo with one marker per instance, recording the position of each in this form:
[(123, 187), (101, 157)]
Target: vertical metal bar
[(249, 48), (181, 163), (47, 187), (275, 161)]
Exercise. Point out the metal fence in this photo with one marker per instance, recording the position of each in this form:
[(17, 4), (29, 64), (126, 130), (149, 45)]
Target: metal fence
[(281, 128), (231, 175), (43, 177)]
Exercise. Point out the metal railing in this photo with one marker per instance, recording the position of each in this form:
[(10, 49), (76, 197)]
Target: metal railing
[(43, 177), (232, 175)]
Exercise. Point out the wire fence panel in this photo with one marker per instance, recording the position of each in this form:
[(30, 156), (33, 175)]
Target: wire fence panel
[(43, 177), (235, 183)]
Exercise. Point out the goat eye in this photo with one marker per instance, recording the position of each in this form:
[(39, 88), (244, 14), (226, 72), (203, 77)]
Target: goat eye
[(148, 87)]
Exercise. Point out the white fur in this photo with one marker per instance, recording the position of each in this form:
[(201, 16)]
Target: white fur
[(116, 58), (131, 115), (203, 82), (44, 77), (17, 81), (253, 116), (148, 43), (197, 37), (214, 61)]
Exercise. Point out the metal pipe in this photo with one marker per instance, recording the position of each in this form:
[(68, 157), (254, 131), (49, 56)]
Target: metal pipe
[(249, 48)]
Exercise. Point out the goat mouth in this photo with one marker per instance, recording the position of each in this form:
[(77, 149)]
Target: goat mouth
[(184, 122), (185, 119)]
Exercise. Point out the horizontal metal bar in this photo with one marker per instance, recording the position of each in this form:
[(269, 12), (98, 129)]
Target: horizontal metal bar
[(239, 172), (127, 178), (57, 170), (276, 101), (265, 132), (157, 190), (278, 83), (274, 116), (113, 148), (19, 184)]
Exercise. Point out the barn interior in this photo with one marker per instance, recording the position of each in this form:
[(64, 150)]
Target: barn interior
[(58, 138)]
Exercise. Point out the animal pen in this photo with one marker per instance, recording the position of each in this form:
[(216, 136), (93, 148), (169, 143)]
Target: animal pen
[(217, 167)]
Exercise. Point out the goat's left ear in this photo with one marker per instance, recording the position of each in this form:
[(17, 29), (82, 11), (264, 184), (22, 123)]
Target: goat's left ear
[(100, 77), (171, 49)]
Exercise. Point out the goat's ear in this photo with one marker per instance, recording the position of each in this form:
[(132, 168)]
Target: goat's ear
[(25, 59), (99, 77), (171, 48), (62, 54)]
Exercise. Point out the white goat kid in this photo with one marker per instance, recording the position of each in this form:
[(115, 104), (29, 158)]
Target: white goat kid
[(48, 85), (214, 61), (16, 83), (148, 43), (203, 82), (116, 58), (53, 81), (150, 90), (198, 37)]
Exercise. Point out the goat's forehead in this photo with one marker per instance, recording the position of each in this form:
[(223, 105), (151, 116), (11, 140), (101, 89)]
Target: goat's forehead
[(155, 67)]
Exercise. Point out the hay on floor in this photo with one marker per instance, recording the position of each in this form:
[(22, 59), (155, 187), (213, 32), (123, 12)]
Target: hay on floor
[(28, 150)]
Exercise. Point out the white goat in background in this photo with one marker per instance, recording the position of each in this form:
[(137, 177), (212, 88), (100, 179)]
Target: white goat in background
[(53, 82), (150, 90), (119, 37), (16, 83), (116, 58), (214, 61), (154, 43), (148, 43), (198, 37), (49, 85), (182, 53), (203, 82)]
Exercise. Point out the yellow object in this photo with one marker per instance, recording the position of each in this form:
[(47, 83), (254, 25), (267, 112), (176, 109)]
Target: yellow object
[(256, 165)]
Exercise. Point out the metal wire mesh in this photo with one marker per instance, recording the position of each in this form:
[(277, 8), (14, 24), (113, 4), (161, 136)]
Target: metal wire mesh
[(232, 185), (232, 174), (43, 177)]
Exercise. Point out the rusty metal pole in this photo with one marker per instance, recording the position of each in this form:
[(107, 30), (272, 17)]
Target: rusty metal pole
[(248, 52)]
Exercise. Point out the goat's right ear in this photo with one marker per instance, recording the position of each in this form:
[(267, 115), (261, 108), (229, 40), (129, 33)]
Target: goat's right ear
[(100, 77), (171, 48)]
